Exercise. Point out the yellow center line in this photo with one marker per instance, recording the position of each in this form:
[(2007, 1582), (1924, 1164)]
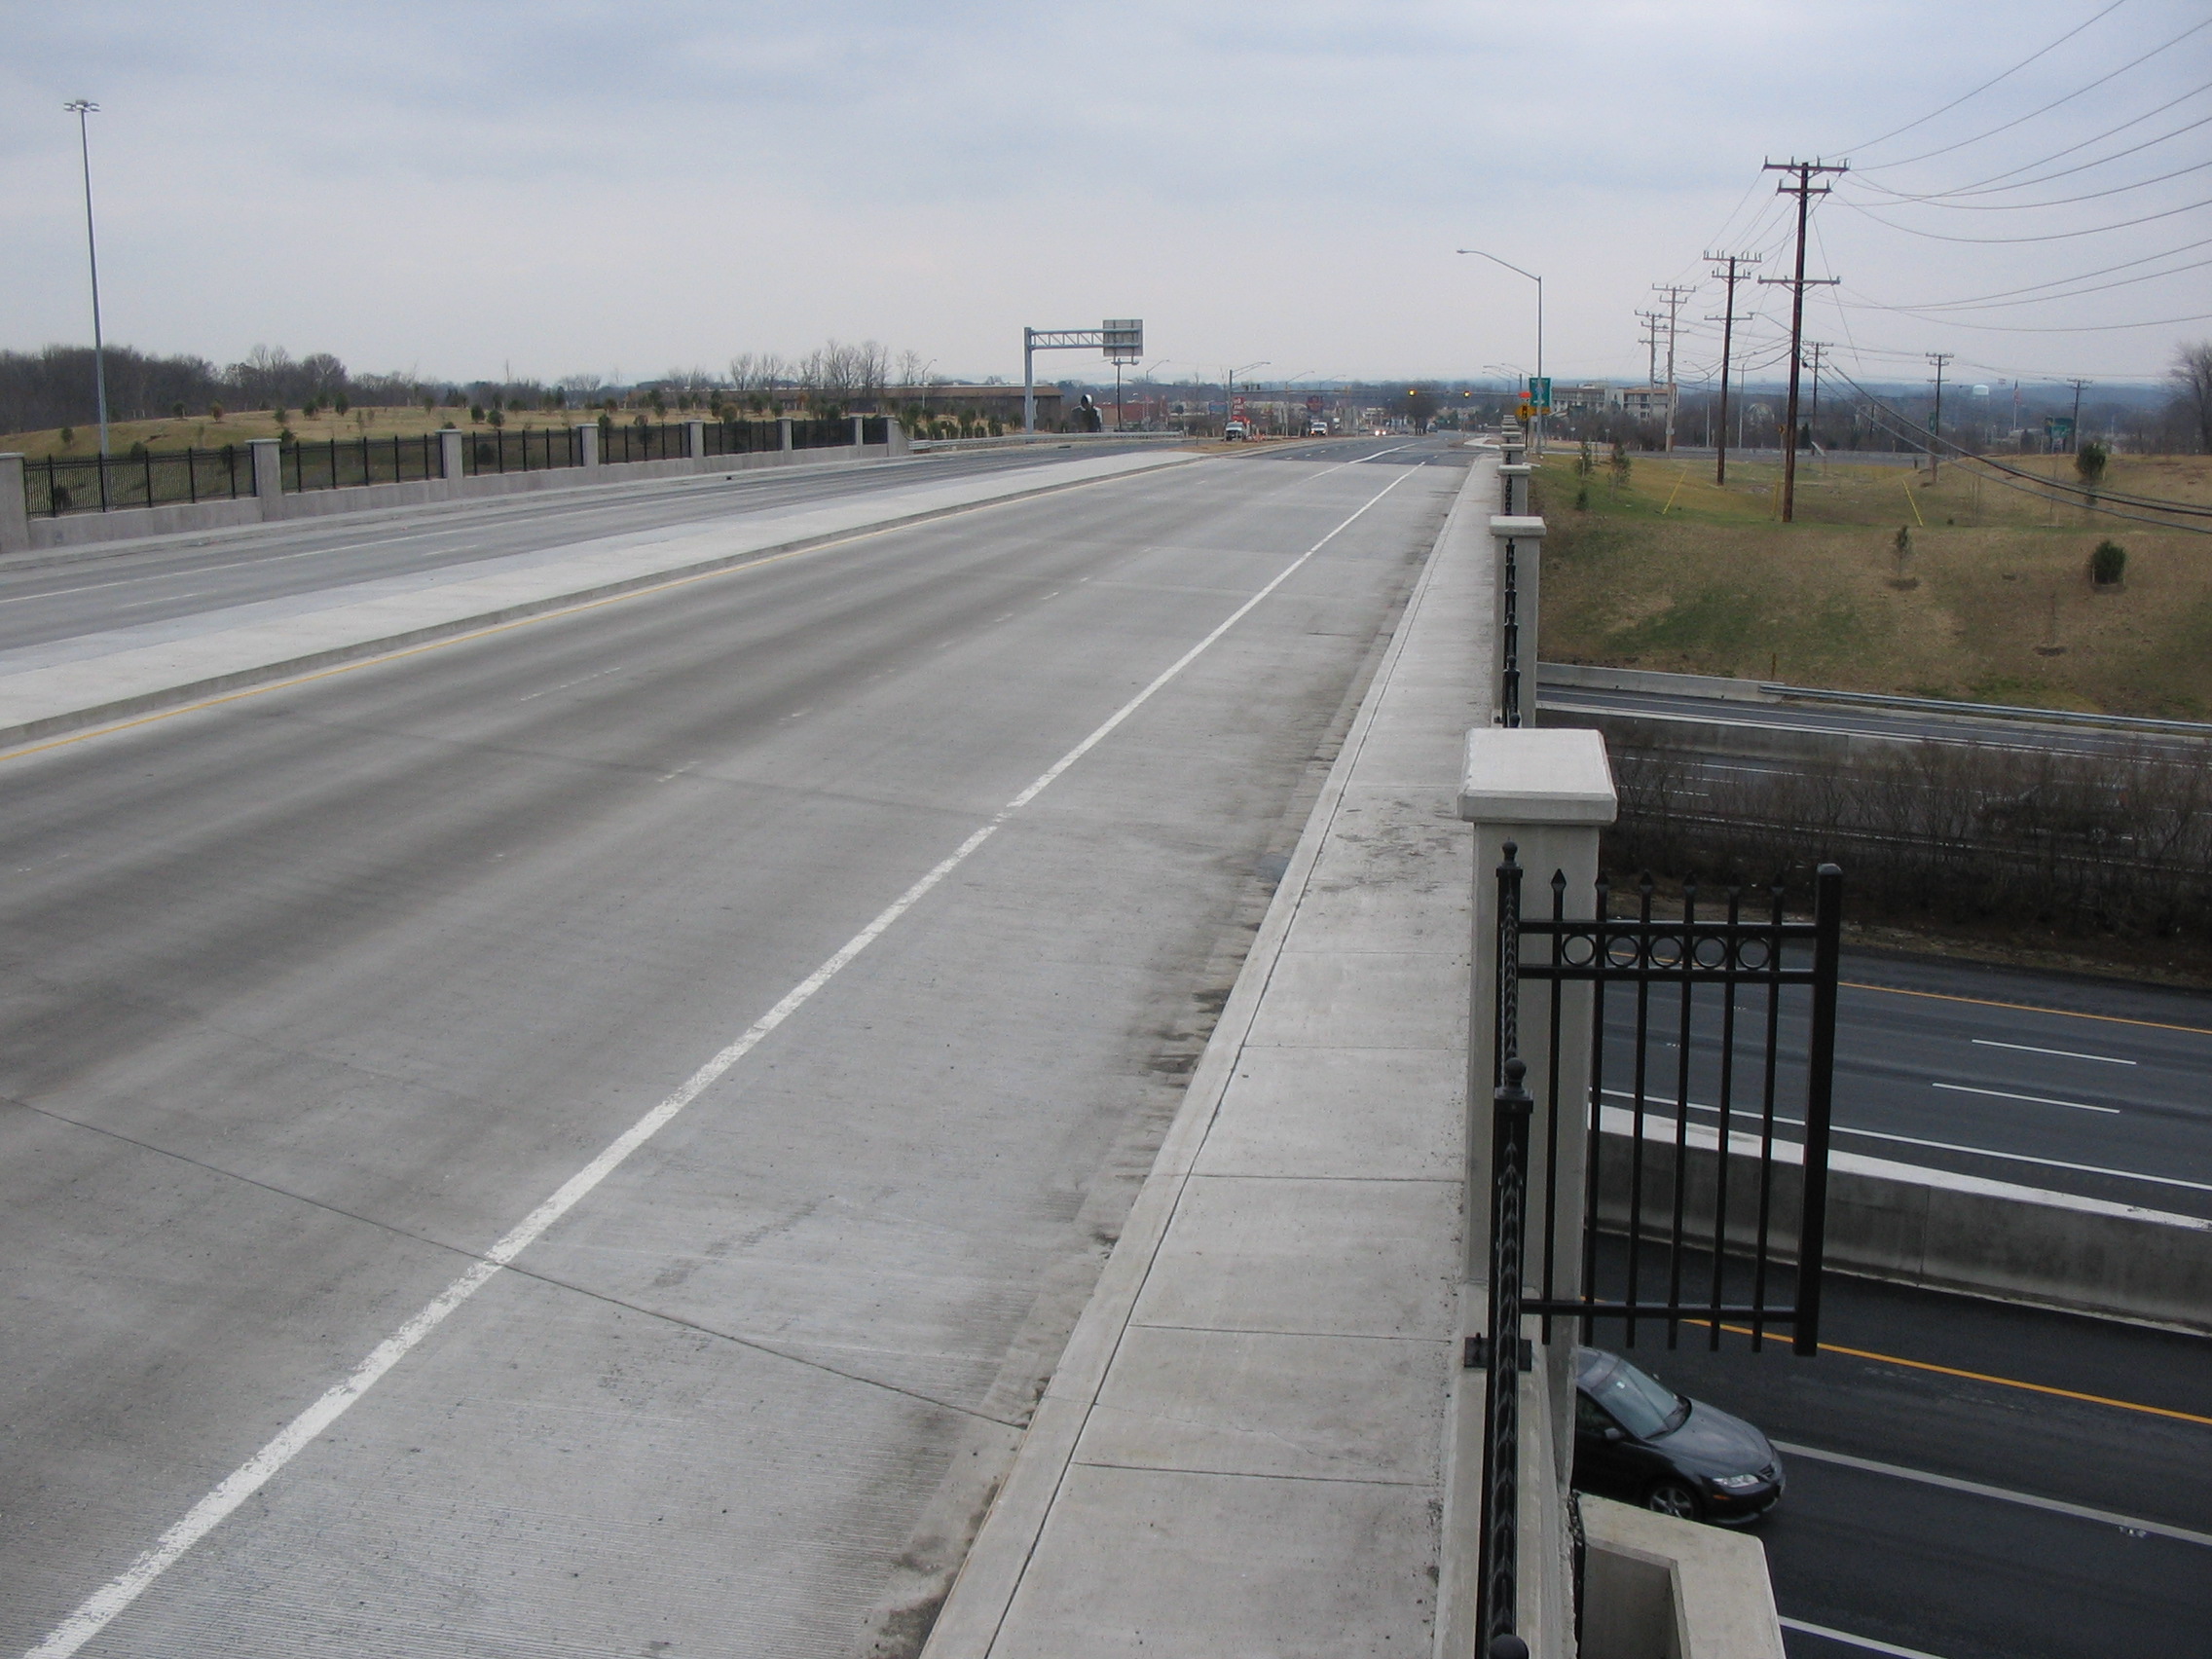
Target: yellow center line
[(2030, 1007), (1985, 1377)]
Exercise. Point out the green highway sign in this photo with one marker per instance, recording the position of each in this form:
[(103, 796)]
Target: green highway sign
[(1540, 394)]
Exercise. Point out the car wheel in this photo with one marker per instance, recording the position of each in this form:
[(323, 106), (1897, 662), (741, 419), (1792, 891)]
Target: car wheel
[(1676, 1499)]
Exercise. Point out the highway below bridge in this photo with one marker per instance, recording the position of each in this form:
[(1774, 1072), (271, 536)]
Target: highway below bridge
[(529, 1145)]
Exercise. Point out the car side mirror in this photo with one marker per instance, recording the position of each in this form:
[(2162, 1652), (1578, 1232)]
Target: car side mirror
[(1613, 1432)]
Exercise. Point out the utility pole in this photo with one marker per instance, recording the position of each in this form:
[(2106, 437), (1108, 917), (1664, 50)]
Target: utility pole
[(80, 108), (1649, 340), (1815, 350), (2073, 432), (1804, 189), (1935, 420), (1676, 295), (1737, 264)]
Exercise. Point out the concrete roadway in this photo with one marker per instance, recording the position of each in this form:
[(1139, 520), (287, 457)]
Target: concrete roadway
[(60, 595), (1885, 1560), (316, 1000), (2045, 1080)]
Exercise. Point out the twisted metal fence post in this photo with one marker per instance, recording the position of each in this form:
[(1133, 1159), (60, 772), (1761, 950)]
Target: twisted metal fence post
[(1497, 1607)]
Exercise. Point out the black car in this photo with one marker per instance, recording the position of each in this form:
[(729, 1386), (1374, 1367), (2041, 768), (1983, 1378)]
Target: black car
[(1637, 1440)]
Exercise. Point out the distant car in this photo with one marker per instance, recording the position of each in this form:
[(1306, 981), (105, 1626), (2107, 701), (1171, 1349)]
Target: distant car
[(1316, 429), (1637, 1440), (1235, 429)]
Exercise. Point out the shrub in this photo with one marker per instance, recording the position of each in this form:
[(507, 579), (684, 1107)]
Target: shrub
[(214, 411), (341, 403), (2108, 564), (2090, 462), (498, 417), (476, 412), (177, 409), (69, 436)]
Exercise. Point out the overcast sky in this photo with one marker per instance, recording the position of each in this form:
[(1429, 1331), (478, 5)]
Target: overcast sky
[(620, 190)]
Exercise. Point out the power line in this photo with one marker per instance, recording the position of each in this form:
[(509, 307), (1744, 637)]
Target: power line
[(1909, 161), (1990, 186), (1899, 199), (1992, 80), (2061, 282), (2003, 242)]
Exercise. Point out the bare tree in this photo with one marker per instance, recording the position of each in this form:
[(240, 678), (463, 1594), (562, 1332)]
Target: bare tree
[(2191, 374)]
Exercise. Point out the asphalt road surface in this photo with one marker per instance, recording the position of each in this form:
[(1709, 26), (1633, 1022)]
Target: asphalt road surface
[(2045, 1080), (787, 976), (60, 595), (1970, 1480)]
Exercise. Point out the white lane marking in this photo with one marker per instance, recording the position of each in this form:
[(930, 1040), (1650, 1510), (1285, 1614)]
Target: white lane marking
[(2029, 1500), (2062, 1053), (1865, 1643), (1750, 1116), (2032, 1099), (565, 685), (103, 1606)]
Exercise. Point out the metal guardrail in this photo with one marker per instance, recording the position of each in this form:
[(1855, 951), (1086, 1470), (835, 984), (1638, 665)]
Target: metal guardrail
[(1990, 710)]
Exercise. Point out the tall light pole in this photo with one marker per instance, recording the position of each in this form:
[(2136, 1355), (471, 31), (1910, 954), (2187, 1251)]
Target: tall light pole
[(1539, 282), (1229, 391), (81, 108)]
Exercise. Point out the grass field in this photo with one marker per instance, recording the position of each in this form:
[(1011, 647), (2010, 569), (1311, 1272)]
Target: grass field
[(203, 431), (1992, 602)]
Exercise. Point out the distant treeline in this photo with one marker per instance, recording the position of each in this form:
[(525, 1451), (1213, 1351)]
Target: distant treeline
[(53, 387)]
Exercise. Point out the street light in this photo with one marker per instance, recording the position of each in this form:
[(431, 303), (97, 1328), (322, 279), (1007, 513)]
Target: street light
[(81, 108), (1229, 391), (1539, 282)]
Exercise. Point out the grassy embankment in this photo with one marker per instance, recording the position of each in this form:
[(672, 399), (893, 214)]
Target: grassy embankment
[(1993, 602)]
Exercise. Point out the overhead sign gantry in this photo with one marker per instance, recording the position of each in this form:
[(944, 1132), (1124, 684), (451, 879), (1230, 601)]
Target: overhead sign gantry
[(1120, 339)]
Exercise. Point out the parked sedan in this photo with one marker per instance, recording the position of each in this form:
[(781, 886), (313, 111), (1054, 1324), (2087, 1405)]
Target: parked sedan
[(1637, 1440)]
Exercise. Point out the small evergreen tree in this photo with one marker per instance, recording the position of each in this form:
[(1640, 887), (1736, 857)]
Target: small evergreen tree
[(2108, 564)]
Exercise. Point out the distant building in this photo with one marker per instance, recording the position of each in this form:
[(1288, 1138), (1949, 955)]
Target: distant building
[(1581, 399), (978, 402), (1642, 402)]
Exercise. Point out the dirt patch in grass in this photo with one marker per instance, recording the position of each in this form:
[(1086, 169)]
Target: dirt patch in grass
[(1989, 604)]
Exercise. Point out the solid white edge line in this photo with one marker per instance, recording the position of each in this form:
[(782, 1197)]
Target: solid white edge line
[(1865, 1642), (2027, 1500), (104, 1605)]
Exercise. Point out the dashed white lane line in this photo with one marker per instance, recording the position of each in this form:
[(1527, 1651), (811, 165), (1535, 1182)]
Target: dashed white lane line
[(1865, 1643), (103, 1605), (2031, 1099), (2061, 1053), (2005, 1494)]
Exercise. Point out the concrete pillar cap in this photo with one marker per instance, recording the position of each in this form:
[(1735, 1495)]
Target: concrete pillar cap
[(1536, 775), (1521, 529)]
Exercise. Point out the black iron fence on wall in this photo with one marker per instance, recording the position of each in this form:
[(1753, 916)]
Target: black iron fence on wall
[(346, 463), (523, 450), (94, 484), (1703, 1142), (640, 440)]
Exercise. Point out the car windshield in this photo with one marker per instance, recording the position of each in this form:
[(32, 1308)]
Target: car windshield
[(1642, 1405)]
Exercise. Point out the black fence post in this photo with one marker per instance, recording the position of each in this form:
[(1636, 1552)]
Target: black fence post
[(1496, 1608), (1811, 1241)]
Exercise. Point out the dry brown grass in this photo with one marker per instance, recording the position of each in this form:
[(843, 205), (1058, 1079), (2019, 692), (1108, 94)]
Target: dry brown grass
[(2002, 610)]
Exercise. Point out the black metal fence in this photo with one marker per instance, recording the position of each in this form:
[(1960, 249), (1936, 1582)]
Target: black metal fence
[(1509, 635), (1704, 1194), (93, 484), (742, 437), (640, 440), (346, 463), (523, 450)]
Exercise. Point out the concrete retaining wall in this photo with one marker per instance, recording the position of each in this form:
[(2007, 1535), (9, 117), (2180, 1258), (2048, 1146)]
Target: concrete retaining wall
[(1659, 1588), (1928, 1226), (78, 529)]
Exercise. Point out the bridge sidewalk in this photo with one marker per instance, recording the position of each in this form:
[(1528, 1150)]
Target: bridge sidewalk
[(1242, 1449)]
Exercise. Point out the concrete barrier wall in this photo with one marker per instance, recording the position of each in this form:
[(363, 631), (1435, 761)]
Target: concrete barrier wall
[(1928, 1227), (1659, 1588), (78, 529)]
